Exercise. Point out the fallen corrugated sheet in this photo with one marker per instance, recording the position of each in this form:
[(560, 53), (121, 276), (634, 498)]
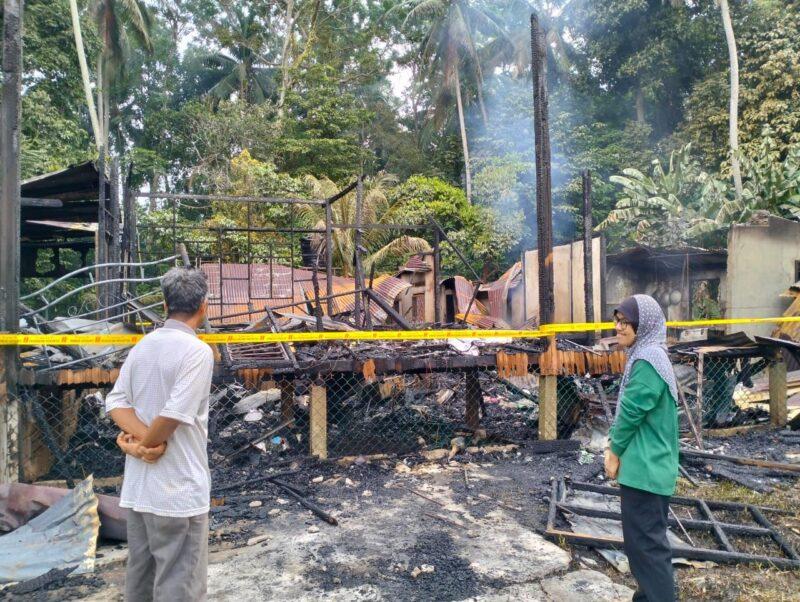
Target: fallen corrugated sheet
[(498, 290), (464, 290), (63, 535), (20, 502)]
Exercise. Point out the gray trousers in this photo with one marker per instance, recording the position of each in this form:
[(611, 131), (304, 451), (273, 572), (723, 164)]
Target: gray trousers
[(167, 558)]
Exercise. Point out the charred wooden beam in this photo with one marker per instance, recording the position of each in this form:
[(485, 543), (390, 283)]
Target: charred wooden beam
[(357, 267), (437, 275), (456, 250), (9, 231), (226, 198), (677, 551), (677, 499), (743, 461), (48, 203), (588, 276), (696, 525), (344, 191), (544, 200), (779, 539)]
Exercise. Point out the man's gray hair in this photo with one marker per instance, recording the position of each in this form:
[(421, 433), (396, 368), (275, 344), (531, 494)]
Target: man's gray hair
[(184, 289)]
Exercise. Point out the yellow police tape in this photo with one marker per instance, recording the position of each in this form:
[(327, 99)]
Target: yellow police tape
[(361, 335)]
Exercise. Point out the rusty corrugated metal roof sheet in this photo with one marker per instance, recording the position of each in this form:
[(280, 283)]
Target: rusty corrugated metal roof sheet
[(498, 290), (464, 290), (415, 263), (275, 285), (389, 287), (267, 286)]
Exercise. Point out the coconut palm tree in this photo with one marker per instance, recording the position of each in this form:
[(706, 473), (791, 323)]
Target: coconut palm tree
[(87, 83), (239, 68), (376, 209), (449, 46), (118, 22), (514, 48)]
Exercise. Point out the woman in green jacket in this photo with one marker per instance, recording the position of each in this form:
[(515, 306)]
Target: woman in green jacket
[(643, 446)]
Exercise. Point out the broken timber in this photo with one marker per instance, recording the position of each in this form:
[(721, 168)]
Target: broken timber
[(743, 461), (709, 523)]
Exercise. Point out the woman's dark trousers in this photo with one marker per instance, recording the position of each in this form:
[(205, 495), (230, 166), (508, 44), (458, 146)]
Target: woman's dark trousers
[(644, 528)]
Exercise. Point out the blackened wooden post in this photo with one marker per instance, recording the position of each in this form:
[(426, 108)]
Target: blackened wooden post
[(588, 281), (437, 269), (359, 272), (544, 201), (474, 399), (125, 248), (317, 304), (329, 255), (286, 386), (9, 233)]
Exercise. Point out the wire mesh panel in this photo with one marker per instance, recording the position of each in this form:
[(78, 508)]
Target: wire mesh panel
[(393, 404), (66, 434), (724, 391)]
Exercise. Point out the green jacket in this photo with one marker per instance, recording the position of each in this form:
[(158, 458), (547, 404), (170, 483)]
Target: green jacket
[(645, 433)]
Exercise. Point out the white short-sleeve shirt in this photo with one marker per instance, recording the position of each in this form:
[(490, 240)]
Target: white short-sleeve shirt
[(168, 373)]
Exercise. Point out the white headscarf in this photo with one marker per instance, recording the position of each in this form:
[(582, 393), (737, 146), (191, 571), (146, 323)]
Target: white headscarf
[(650, 346)]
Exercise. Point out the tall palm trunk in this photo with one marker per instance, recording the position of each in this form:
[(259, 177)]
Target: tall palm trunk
[(640, 118), (733, 118), (101, 112), (464, 145), (287, 44), (87, 85)]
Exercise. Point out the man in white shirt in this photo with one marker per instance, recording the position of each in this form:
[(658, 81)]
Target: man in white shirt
[(160, 402)]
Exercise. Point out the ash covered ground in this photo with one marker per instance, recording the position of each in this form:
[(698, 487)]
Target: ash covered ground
[(431, 527)]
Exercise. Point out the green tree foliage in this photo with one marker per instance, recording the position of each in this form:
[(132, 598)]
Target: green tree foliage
[(647, 53), (665, 209), (54, 120), (297, 96), (684, 204), (485, 238), (768, 36)]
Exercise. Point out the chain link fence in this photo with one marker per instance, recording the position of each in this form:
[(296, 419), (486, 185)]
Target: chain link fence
[(725, 391), (66, 434)]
